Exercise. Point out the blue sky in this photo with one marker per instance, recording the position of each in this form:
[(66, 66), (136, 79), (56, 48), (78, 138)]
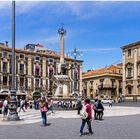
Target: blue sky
[(98, 29)]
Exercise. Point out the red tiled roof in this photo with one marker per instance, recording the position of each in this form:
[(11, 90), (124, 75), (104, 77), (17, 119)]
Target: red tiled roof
[(112, 70)]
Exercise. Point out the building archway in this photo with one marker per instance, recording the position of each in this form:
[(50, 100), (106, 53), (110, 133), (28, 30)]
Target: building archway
[(37, 95)]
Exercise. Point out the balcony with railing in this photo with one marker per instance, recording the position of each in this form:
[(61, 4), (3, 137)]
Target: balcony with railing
[(107, 86)]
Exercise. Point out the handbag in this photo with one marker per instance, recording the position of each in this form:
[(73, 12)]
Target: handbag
[(83, 113), (43, 109)]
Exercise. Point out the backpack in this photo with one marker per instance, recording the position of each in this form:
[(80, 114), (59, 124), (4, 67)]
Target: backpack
[(83, 113)]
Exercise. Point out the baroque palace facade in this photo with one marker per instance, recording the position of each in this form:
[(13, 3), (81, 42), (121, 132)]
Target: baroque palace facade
[(105, 83), (36, 72), (131, 71)]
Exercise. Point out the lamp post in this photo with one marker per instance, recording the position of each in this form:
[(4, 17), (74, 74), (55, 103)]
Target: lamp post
[(13, 115), (75, 54)]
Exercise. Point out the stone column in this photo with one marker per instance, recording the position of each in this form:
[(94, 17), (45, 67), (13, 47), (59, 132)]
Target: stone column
[(124, 75), (8, 68), (62, 49), (117, 90), (135, 72), (29, 67), (1, 66), (44, 67), (44, 74), (62, 32)]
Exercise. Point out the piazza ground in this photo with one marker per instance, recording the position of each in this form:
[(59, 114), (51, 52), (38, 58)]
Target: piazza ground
[(120, 122)]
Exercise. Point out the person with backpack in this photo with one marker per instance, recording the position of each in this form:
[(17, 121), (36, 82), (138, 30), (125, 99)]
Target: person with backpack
[(86, 117)]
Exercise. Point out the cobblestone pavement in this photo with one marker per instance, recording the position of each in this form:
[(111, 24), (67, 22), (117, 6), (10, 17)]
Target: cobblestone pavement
[(119, 122)]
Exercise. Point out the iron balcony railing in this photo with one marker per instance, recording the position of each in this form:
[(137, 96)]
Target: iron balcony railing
[(105, 86)]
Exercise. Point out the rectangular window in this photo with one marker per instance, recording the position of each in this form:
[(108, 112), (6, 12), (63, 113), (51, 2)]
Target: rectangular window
[(112, 82), (101, 82), (129, 72), (37, 58), (4, 66), (37, 72), (5, 80), (120, 84), (21, 69), (129, 52), (4, 54), (51, 60), (36, 83), (21, 56), (21, 81)]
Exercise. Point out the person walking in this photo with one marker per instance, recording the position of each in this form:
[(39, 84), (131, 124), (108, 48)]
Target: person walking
[(79, 106), (43, 109), (110, 101), (22, 104), (95, 108), (100, 110), (5, 108), (50, 105), (87, 119), (26, 104)]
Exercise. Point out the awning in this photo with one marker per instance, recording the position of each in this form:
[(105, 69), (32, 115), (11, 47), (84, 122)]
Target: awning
[(4, 92), (36, 94)]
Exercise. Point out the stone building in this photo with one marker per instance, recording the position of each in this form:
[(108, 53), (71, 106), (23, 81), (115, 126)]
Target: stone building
[(105, 82), (131, 71), (37, 72)]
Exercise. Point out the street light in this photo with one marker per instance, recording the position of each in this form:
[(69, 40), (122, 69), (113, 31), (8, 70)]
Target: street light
[(75, 54), (13, 115)]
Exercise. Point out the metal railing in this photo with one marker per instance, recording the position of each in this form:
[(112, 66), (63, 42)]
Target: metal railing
[(106, 86)]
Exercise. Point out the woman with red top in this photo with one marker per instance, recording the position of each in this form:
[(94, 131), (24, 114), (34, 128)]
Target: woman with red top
[(88, 119)]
